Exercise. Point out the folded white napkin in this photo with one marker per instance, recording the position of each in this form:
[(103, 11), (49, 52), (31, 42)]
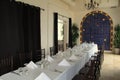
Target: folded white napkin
[(73, 57), (64, 62), (42, 76), (31, 65), (49, 58)]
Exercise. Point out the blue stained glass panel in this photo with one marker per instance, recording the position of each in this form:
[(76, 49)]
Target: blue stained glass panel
[(96, 28)]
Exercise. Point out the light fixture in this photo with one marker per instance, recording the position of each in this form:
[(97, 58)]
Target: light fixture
[(91, 4)]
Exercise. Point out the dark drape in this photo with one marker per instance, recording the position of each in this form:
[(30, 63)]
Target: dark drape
[(55, 33), (8, 31), (28, 22), (70, 32), (19, 28)]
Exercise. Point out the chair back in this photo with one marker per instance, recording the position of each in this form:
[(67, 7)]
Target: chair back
[(25, 57), (60, 47), (6, 64), (51, 51), (102, 49), (102, 53), (40, 54), (22, 59), (29, 56), (43, 53)]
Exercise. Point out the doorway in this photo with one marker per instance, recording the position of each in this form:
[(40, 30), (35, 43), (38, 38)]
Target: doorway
[(97, 27)]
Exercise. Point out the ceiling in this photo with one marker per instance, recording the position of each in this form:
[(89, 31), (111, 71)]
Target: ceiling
[(79, 4)]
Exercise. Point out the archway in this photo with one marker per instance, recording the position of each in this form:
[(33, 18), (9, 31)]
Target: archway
[(97, 27)]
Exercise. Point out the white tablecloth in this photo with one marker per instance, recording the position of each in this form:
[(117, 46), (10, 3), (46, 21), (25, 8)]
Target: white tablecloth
[(62, 73), (67, 72)]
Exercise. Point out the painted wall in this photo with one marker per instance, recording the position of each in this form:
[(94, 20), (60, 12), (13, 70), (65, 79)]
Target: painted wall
[(50, 7)]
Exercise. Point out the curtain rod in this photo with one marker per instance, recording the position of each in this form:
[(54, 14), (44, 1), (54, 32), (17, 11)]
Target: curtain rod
[(63, 16), (28, 4)]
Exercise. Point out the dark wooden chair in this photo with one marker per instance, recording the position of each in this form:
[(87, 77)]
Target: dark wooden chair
[(100, 56), (60, 47), (94, 69), (40, 54), (22, 59), (25, 57), (6, 64), (29, 56), (91, 71), (102, 53), (51, 51), (84, 71)]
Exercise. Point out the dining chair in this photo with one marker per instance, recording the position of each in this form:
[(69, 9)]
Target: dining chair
[(91, 70), (6, 64), (94, 70), (25, 57), (102, 48), (29, 56), (22, 59), (101, 54), (40, 54), (60, 47), (51, 51)]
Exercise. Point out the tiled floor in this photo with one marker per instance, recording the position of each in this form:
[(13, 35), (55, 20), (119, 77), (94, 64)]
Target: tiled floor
[(111, 67)]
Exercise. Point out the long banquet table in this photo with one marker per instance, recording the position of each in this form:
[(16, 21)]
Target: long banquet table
[(52, 69)]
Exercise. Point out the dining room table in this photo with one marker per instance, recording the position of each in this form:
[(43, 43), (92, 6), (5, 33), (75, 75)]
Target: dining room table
[(51, 69)]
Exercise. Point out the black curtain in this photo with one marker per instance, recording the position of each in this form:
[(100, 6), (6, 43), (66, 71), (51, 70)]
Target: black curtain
[(28, 22), (70, 33), (19, 28), (8, 31), (55, 33)]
